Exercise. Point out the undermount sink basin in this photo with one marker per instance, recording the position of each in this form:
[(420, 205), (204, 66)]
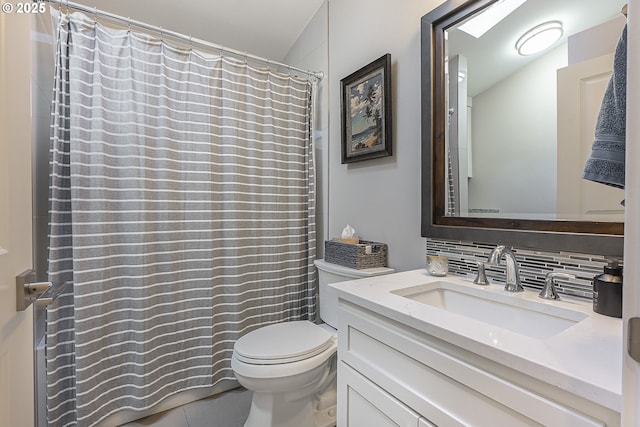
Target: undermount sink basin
[(535, 319)]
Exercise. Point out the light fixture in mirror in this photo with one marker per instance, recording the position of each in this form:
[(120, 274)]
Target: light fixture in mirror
[(539, 38), (501, 154)]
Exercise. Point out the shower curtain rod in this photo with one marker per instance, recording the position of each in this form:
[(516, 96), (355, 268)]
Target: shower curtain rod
[(190, 40)]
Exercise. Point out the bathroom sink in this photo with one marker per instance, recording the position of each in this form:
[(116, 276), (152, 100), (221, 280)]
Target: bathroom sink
[(516, 312)]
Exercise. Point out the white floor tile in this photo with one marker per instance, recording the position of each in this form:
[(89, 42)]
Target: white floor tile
[(228, 409), (171, 418)]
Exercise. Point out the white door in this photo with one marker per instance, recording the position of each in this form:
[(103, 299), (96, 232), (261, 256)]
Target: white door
[(581, 88), (16, 328), (631, 288)]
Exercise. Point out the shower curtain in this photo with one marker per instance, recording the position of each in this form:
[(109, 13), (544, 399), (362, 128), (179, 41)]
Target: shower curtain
[(181, 213)]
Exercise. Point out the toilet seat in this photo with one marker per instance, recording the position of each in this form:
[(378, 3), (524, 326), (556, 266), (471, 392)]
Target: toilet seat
[(283, 343)]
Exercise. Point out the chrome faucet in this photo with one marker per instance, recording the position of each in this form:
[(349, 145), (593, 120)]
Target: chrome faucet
[(513, 275), (481, 276), (549, 289)]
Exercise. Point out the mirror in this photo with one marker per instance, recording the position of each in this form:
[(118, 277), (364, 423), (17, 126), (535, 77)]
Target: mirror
[(506, 140)]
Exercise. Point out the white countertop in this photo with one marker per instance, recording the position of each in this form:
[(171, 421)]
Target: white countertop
[(585, 359)]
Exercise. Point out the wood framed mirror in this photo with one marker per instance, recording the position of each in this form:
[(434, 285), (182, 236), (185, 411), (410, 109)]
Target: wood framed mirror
[(508, 170)]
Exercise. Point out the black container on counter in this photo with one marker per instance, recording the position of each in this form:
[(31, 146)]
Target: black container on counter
[(607, 291)]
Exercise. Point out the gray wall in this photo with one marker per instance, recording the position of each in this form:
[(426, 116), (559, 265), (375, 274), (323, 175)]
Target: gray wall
[(311, 52), (380, 198)]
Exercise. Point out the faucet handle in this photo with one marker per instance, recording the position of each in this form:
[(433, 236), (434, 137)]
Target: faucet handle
[(549, 289), (481, 276)]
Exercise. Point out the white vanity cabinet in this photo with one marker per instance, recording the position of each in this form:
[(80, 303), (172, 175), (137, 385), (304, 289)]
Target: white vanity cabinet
[(370, 405), (391, 374)]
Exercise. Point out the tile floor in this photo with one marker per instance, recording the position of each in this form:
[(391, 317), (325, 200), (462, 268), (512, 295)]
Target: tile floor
[(229, 409)]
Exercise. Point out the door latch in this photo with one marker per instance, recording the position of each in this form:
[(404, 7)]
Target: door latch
[(633, 347), (28, 290)]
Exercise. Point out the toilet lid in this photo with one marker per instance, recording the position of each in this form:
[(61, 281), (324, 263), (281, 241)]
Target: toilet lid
[(283, 343)]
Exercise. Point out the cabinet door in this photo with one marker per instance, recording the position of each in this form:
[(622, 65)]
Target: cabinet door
[(362, 403), (424, 423)]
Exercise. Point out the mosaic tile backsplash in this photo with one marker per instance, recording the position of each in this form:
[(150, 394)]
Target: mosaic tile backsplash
[(533, 265)]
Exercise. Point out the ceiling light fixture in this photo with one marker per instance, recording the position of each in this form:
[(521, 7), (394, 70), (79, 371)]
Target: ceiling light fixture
[(488, 18), (539, 38)]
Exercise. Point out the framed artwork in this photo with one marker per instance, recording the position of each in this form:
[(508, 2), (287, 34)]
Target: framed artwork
[(366, 112)]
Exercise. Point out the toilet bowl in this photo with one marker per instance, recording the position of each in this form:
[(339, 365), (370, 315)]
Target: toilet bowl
[(291, 367), (287, 365)]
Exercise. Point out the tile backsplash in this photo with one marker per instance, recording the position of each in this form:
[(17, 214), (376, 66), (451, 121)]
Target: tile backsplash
[(533, 265)]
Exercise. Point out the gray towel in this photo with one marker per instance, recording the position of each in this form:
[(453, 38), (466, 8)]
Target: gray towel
[(606, 164)]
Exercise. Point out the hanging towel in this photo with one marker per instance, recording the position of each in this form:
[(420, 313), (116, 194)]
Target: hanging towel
[(606, 164)]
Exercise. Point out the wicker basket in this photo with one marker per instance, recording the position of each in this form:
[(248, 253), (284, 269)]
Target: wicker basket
[(358, 256)]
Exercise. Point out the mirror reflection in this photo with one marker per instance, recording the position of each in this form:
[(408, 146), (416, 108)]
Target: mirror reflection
[(521, 122)]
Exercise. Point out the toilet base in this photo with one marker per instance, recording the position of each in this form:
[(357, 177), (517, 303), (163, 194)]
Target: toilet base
[(278, 410), (325, 417)]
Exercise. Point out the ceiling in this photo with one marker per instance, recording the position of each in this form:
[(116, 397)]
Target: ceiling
[(493, 56), (266, 28)]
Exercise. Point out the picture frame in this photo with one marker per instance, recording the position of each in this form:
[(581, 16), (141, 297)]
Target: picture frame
[(365, 108)]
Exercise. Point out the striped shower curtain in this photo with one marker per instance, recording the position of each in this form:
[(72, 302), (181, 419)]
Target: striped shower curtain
[(181, 213)]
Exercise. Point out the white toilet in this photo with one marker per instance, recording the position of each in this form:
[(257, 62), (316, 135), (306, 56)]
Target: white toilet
[(291, 366)]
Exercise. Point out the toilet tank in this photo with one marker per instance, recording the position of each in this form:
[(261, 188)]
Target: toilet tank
[(332, 273)]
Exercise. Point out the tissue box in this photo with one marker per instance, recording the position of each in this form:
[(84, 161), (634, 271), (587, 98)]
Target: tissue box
[(359, 256)]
